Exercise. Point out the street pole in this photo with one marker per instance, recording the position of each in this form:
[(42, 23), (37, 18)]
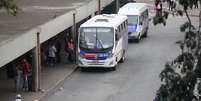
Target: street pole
[(99, 7), (117, 6), (39, 60), (37, 69), (74, 36)]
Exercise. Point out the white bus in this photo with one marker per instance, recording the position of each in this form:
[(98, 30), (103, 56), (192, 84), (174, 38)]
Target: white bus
[(138, 19), (102, 41)]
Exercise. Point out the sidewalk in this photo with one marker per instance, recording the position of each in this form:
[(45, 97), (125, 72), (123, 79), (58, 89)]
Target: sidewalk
[(51, 78)]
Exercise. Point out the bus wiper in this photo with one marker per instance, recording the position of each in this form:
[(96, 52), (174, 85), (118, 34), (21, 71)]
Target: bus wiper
[(99, 43)]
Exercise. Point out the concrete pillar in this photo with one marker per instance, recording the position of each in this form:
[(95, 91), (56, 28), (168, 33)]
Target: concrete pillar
[(117, 6), (37, 65), (74, 35), (99, 7)]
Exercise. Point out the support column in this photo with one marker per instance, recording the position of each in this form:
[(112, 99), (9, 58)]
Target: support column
[(74, 36), (37, 65), (117, 6), (99, 7)]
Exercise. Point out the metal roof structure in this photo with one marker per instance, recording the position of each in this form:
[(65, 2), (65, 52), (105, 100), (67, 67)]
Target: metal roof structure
[(48, 17)]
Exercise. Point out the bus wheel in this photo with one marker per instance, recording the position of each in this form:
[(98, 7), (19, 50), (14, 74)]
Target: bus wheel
[(82, 69), (138, 39), (113, 68)]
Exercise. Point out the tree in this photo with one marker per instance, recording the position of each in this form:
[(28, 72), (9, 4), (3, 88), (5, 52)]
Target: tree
[(180, 75), (9, 5)]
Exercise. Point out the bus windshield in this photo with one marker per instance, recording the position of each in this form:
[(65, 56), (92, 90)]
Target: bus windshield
[(96, 38), (132, 19)]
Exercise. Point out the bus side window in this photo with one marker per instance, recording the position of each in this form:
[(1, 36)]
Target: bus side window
[(140, 20), (116, 35)]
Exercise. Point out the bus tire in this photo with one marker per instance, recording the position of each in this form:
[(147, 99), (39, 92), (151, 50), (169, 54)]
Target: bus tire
[(138, 39), (82, 69), (113, 68)]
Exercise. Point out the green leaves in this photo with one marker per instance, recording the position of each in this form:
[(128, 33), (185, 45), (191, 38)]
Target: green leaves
[(10, 6), (179, 78)]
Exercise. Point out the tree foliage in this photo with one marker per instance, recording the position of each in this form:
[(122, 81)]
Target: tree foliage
[(9, 5), (181, 75)]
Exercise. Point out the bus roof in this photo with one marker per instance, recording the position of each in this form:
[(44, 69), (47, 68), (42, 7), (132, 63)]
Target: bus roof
[(105, 20), (133, 9)]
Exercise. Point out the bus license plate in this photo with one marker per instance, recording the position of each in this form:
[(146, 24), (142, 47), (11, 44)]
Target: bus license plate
[(95, 62)]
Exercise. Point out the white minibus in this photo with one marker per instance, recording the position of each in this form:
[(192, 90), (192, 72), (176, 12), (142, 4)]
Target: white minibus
[(102, 41), (138, 19)]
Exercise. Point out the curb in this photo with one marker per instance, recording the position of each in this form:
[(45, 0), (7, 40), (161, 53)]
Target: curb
[(59, 83)]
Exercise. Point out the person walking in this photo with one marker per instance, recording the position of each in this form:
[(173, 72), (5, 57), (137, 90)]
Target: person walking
[(26, 73), (52, 54)]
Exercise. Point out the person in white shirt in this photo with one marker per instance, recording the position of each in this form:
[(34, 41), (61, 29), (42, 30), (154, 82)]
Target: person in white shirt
[(52, 54)]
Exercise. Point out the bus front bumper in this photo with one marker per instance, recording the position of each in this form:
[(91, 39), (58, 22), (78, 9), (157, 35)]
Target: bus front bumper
[(108, 63), (133, 36)]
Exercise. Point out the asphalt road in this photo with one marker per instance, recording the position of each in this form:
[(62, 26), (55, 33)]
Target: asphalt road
[(137, 79)]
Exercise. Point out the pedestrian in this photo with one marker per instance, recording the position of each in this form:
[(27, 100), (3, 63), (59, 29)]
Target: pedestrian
[(71, 50), (18, 77), (195, 3), (52, 54), (26, 73), (170, 4), (158, 7)]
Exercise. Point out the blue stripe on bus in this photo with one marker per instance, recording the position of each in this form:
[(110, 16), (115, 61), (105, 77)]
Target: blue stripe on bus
[(100, 56)]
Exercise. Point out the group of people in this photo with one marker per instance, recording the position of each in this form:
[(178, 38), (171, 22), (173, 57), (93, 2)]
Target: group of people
[(23, 76), (53, 51), (172, 4)]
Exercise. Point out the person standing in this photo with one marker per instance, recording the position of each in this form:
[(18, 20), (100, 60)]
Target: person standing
[(18, 77), (71, 50), (26, 73), (52, 54)]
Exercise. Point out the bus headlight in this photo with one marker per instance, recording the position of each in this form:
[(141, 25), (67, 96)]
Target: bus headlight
[(134, 34), (81, 56), (110, 55)]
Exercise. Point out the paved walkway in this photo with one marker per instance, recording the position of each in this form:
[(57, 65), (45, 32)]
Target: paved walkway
[(51, 78)]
